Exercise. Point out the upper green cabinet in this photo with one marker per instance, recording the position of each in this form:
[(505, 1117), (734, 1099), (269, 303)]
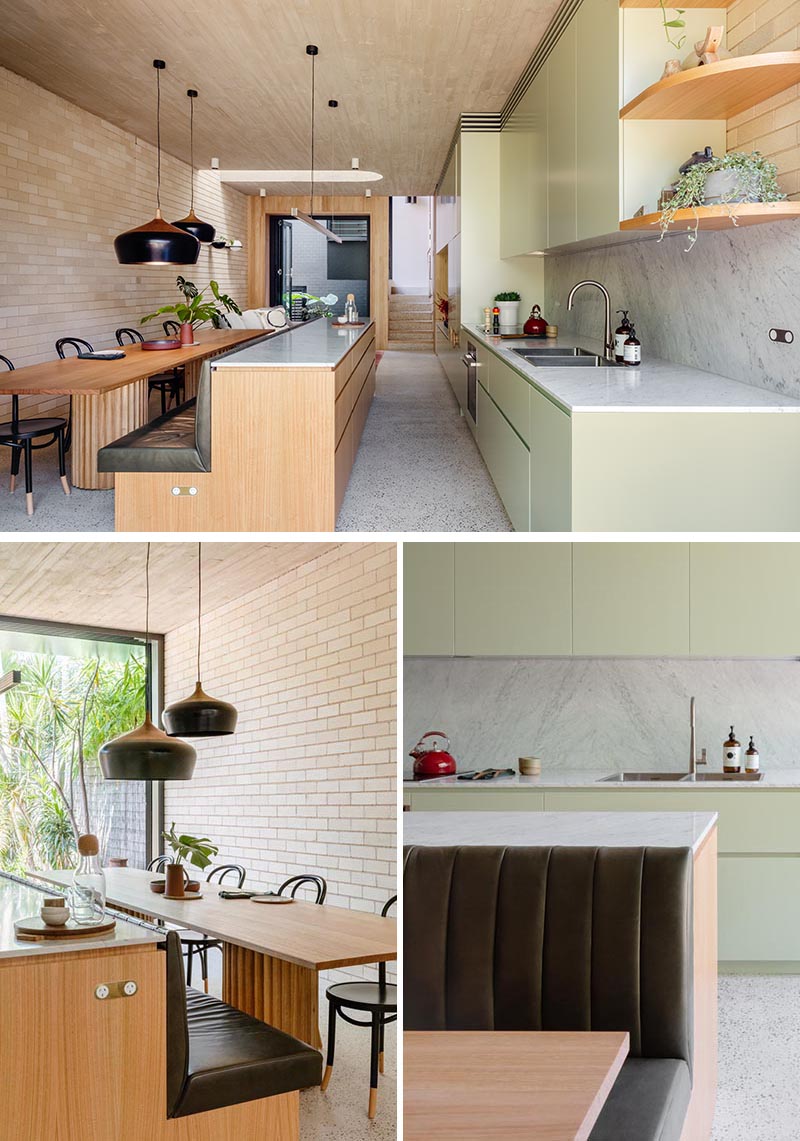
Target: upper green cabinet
[(630, 598), (428, 620), (523, 174), (562, 141), (745, 599), (597, 204), (513, 598)]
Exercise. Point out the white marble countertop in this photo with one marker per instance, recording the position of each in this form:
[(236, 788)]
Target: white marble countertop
[(655, 386), (20, 902), (314, 344), (564, 778), (568, 829)]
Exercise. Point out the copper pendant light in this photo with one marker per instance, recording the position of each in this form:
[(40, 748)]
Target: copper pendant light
[(200, 715), (147, 753), (157, 242), (203, 231)]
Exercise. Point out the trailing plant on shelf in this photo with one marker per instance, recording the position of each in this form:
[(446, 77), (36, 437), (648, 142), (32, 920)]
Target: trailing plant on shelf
[(674, 23), (751, 178), (196, 308), (198, 851)]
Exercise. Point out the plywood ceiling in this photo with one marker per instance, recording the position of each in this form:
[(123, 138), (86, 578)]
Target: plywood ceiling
[(103, 584), (402, 71)]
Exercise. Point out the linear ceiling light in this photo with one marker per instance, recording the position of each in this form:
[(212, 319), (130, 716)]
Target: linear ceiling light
[(299, 175)]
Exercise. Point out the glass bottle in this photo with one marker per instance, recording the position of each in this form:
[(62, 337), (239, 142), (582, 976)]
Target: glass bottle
[(731, 755), (350, 311), (88, 892)]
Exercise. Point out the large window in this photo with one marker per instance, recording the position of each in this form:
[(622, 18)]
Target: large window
[(77, 689)]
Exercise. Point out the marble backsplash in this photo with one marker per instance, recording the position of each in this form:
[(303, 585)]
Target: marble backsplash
[(600, 713), (711, 308)]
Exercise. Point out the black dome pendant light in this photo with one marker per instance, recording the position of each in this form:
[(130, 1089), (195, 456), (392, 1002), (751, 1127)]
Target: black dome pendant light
[(203, 231), (157, 242), (147, 753), (200, 715)]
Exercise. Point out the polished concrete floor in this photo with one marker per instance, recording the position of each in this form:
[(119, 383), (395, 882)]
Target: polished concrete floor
[(759, 1059), (418, 468)]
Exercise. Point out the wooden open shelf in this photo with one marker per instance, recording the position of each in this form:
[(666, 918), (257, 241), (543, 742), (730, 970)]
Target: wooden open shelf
[(717, 90), (718, 218)]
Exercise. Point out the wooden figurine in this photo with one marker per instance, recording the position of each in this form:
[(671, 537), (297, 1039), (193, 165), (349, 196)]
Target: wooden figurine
[(707, 50)]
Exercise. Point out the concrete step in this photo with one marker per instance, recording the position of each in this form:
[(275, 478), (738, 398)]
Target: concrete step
[(411, 326), (410, 305), (409, 346)]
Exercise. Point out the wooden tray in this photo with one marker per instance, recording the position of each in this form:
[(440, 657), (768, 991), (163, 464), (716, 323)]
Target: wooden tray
[(189, 895), (35, 929), (161, 345), (348, 324)]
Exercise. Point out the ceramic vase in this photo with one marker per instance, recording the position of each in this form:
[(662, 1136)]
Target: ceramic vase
[(175, 876), (187, 333)]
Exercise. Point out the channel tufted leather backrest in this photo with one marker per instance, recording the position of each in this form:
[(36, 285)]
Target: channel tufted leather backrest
[(551, 939)]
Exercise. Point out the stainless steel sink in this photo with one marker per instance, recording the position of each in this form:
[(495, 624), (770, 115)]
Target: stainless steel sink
[(564, 358), (633, 778), (729, 776), (552, 351)]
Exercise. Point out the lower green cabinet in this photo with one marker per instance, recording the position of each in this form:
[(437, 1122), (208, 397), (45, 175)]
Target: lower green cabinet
[(759, 920), (508, 459), (551, 465)]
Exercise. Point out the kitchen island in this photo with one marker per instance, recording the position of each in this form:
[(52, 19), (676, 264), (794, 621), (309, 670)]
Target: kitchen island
[(696, 831), (284, 421), (652, 448)]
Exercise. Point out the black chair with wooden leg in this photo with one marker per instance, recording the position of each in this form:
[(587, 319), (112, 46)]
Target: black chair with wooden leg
[(18, 435), (171, 328), (80, 346), (379, 1001), (195, 942), (316, 883), (170, 383)]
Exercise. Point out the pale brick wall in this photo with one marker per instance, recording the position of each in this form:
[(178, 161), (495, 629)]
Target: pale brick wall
[(308, 781), (773, 127), (69, 183)]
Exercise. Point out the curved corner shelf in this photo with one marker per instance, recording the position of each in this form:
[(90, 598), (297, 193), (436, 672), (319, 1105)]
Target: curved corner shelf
[(686, 3), (718, 218), (717, 90)]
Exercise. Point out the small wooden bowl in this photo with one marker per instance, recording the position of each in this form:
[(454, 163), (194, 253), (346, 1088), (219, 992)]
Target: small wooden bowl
[(158, 886)]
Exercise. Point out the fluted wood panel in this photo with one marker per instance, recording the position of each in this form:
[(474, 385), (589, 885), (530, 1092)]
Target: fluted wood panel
[(278, 992), (96, 421)]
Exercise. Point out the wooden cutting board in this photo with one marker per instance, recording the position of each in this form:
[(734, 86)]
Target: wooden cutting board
[(35, 929)]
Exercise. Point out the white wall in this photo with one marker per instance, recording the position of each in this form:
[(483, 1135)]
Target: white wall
[(411, 244)]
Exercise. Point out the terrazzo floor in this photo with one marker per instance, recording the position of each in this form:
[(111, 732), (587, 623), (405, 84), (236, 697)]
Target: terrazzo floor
[(758, 1098), (418, 467)]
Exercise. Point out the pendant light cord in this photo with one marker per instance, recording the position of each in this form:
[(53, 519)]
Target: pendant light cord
[(199, 604), (191, 149), (147, 678), (313, 104), (158, 165)]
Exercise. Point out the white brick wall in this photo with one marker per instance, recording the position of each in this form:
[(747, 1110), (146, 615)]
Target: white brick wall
[(69, 183), (308, 781), (773, 127)]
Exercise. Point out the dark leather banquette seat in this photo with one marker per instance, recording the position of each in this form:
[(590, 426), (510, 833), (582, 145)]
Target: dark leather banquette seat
[(552, 938)]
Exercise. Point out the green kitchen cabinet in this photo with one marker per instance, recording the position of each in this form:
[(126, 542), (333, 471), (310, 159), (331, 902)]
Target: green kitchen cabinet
[(513, 598), (551, 464), (508, 459), (745, 599), (512, 395), (562, 140), (472, 800), (428, 600), (597, 143), (759, 920), (523, 173), (630, 598)]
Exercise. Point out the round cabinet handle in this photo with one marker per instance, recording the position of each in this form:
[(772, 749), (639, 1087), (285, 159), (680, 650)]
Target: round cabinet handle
[(101, 991), (130, 988)]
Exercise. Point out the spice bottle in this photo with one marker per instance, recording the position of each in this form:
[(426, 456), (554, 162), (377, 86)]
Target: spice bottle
[(731, 755), (632, 349), (487, 320), (752, 761), (621, 335), (496, 320)]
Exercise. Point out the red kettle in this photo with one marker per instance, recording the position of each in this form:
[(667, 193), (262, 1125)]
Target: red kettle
[(432, 760), (535, 326)]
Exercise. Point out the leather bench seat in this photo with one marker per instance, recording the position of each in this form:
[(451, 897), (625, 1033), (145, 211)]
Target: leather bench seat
[(168, 443), (648, 1102), (235, 1058)]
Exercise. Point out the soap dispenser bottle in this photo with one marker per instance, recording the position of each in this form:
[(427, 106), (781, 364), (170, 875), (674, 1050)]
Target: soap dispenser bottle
[(731, 755), (752, 761), (620, 336), (632, 351)]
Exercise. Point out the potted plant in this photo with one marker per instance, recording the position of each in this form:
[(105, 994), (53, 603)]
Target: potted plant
[(443, 305), (724, 181), (195, 309), (198, 851), (672, 66), (508, 304)]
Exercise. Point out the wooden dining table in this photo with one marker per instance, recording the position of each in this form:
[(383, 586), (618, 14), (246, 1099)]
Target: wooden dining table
[(110, 398), (271, 953), (505, 1086)]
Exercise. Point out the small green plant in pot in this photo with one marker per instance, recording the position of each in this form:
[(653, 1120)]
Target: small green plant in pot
[(196, 308), (725, 181), (197, 850), (508, 304)]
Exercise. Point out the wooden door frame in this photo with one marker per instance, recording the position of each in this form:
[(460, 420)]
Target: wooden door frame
[(377, 208)]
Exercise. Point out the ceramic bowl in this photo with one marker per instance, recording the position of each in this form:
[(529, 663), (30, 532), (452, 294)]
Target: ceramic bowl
[(54, 916), (157, 886)]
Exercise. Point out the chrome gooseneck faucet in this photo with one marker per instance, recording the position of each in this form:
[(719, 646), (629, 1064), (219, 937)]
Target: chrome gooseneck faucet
[(694, 760), (608, 345)]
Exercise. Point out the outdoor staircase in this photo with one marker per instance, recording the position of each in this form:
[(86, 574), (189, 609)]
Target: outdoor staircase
[(410, 322)]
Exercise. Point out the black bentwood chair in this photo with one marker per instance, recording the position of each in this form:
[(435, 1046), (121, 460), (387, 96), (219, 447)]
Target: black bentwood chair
[(379, 1001), (19, 436), (170, 383), (317, 883), (171, 328), (80, 346), (195, 942)]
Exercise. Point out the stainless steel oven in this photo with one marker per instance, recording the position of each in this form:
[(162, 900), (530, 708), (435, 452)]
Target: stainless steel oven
[(470, 359)]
